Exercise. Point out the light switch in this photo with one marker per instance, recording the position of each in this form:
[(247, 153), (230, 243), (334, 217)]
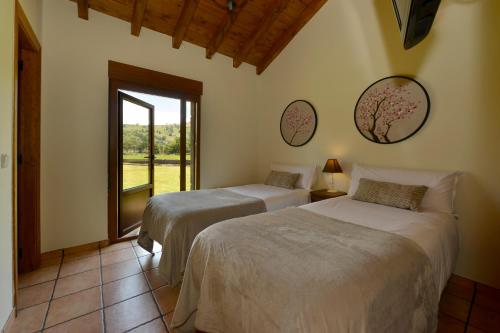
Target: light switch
[(4, 161)]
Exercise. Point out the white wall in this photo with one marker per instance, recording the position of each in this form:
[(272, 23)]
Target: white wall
[(6, 113), (75, 111), (350, 44)]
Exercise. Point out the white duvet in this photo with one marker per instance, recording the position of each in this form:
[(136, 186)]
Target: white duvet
[(274, 197), (435, 233)]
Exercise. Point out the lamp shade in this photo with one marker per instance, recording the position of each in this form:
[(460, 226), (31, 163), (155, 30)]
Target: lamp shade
[(332, 166)]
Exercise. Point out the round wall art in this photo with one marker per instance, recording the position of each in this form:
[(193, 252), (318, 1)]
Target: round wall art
[(298, 123), (392, 109)]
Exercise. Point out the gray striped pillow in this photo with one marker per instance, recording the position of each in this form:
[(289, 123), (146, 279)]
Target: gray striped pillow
[(390, 194)]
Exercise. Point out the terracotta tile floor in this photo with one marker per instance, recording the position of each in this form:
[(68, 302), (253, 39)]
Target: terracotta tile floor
[(113, 289), (118, 289)]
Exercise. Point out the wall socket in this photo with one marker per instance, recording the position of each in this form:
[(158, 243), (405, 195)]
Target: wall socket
[(4, 161)]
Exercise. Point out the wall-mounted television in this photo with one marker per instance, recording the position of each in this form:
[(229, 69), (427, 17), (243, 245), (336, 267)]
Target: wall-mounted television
[(415, 18)]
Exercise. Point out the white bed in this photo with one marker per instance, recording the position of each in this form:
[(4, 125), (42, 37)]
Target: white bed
[(306, 269)]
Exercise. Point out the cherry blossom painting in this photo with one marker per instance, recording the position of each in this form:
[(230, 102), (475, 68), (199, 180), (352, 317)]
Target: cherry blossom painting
[(298, 123), (392, 110)]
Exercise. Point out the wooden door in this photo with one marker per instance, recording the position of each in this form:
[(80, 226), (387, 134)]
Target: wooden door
[(136, 161), (28, 160)]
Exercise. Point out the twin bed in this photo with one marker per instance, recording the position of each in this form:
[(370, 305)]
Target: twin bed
[(339, 265)]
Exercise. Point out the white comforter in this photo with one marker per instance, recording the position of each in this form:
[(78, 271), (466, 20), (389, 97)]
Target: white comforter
[(218, 292)]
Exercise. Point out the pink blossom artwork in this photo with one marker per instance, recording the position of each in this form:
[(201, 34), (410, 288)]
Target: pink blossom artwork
[(391, 109), (298, 123)]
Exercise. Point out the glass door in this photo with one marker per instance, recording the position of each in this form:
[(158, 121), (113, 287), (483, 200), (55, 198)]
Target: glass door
[(136, 176)]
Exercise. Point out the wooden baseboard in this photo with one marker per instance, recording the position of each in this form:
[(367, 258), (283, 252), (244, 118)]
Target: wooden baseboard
[(55, 254), (8, 323)]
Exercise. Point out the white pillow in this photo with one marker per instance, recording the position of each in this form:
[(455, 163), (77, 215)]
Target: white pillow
[(307, 173), (441, 184)]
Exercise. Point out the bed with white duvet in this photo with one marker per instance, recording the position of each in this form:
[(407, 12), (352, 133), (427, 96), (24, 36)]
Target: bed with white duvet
[(337, 265)]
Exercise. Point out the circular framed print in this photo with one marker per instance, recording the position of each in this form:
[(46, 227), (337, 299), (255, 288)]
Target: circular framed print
[(392, 109), (298, 123)]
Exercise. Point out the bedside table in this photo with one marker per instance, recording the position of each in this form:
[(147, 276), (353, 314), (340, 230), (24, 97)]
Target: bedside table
[(319, 195)]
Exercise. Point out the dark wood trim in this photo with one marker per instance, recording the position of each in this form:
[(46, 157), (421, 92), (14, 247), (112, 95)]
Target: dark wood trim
[(183, 22), (274, 11), (138, 16), (83, 9), (288, 35), (171, 85), (183, 146), (25, 39), (127, 77)]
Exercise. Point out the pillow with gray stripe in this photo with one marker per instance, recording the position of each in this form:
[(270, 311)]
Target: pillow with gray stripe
[(390, 194), (282, 179)]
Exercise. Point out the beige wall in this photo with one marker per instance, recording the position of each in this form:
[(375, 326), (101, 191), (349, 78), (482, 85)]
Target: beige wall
[(349, 45), (6, 113), (75, 111)]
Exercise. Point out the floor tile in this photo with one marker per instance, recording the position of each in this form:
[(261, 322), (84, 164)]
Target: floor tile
[(488, 297), (29, 320), (485, 319), (50, 262), (134, 242), (117, 256), (131, 313), (166, 298), (168, 318), (116, 247), (73, 283), (149, 262), (454, 306), (40, 275), (448, 324), (155, 279), (120, 290), (90, 323), (80, 265), (36, 294), (155, 326), (140, 252), (80, 255), (74, 305), (462, 290), (120, 270)]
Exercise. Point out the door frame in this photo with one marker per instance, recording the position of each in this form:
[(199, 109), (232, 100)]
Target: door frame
[(127, 77), (23, 29)]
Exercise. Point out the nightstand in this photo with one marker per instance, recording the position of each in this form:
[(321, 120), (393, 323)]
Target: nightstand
[(319, 195)]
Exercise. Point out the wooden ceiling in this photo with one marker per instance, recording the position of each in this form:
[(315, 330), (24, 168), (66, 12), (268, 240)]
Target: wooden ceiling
[(254, 33)]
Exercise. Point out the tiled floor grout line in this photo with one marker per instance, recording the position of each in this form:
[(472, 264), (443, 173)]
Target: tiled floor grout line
[(102, 291), (152, 294), (147, 322), (469, 314), (53, 291)]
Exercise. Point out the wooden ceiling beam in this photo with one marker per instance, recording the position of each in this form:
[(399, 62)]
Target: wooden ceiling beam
[(83, 9), (222, 31), (138, 16), (263, 28), (183, 22), (288, 35)]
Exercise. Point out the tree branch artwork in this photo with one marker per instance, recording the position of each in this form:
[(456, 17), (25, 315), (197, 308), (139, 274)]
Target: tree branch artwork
[(297, 122), (382, 107)]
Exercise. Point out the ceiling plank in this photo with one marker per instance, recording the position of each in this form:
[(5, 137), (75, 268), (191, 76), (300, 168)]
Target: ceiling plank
[(83, 9), (223, 30), (138, 16), (262, 29), (183, 22), (288, 35)]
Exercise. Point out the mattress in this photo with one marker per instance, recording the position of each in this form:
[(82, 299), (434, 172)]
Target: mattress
[(274, 197), (435, 233)]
